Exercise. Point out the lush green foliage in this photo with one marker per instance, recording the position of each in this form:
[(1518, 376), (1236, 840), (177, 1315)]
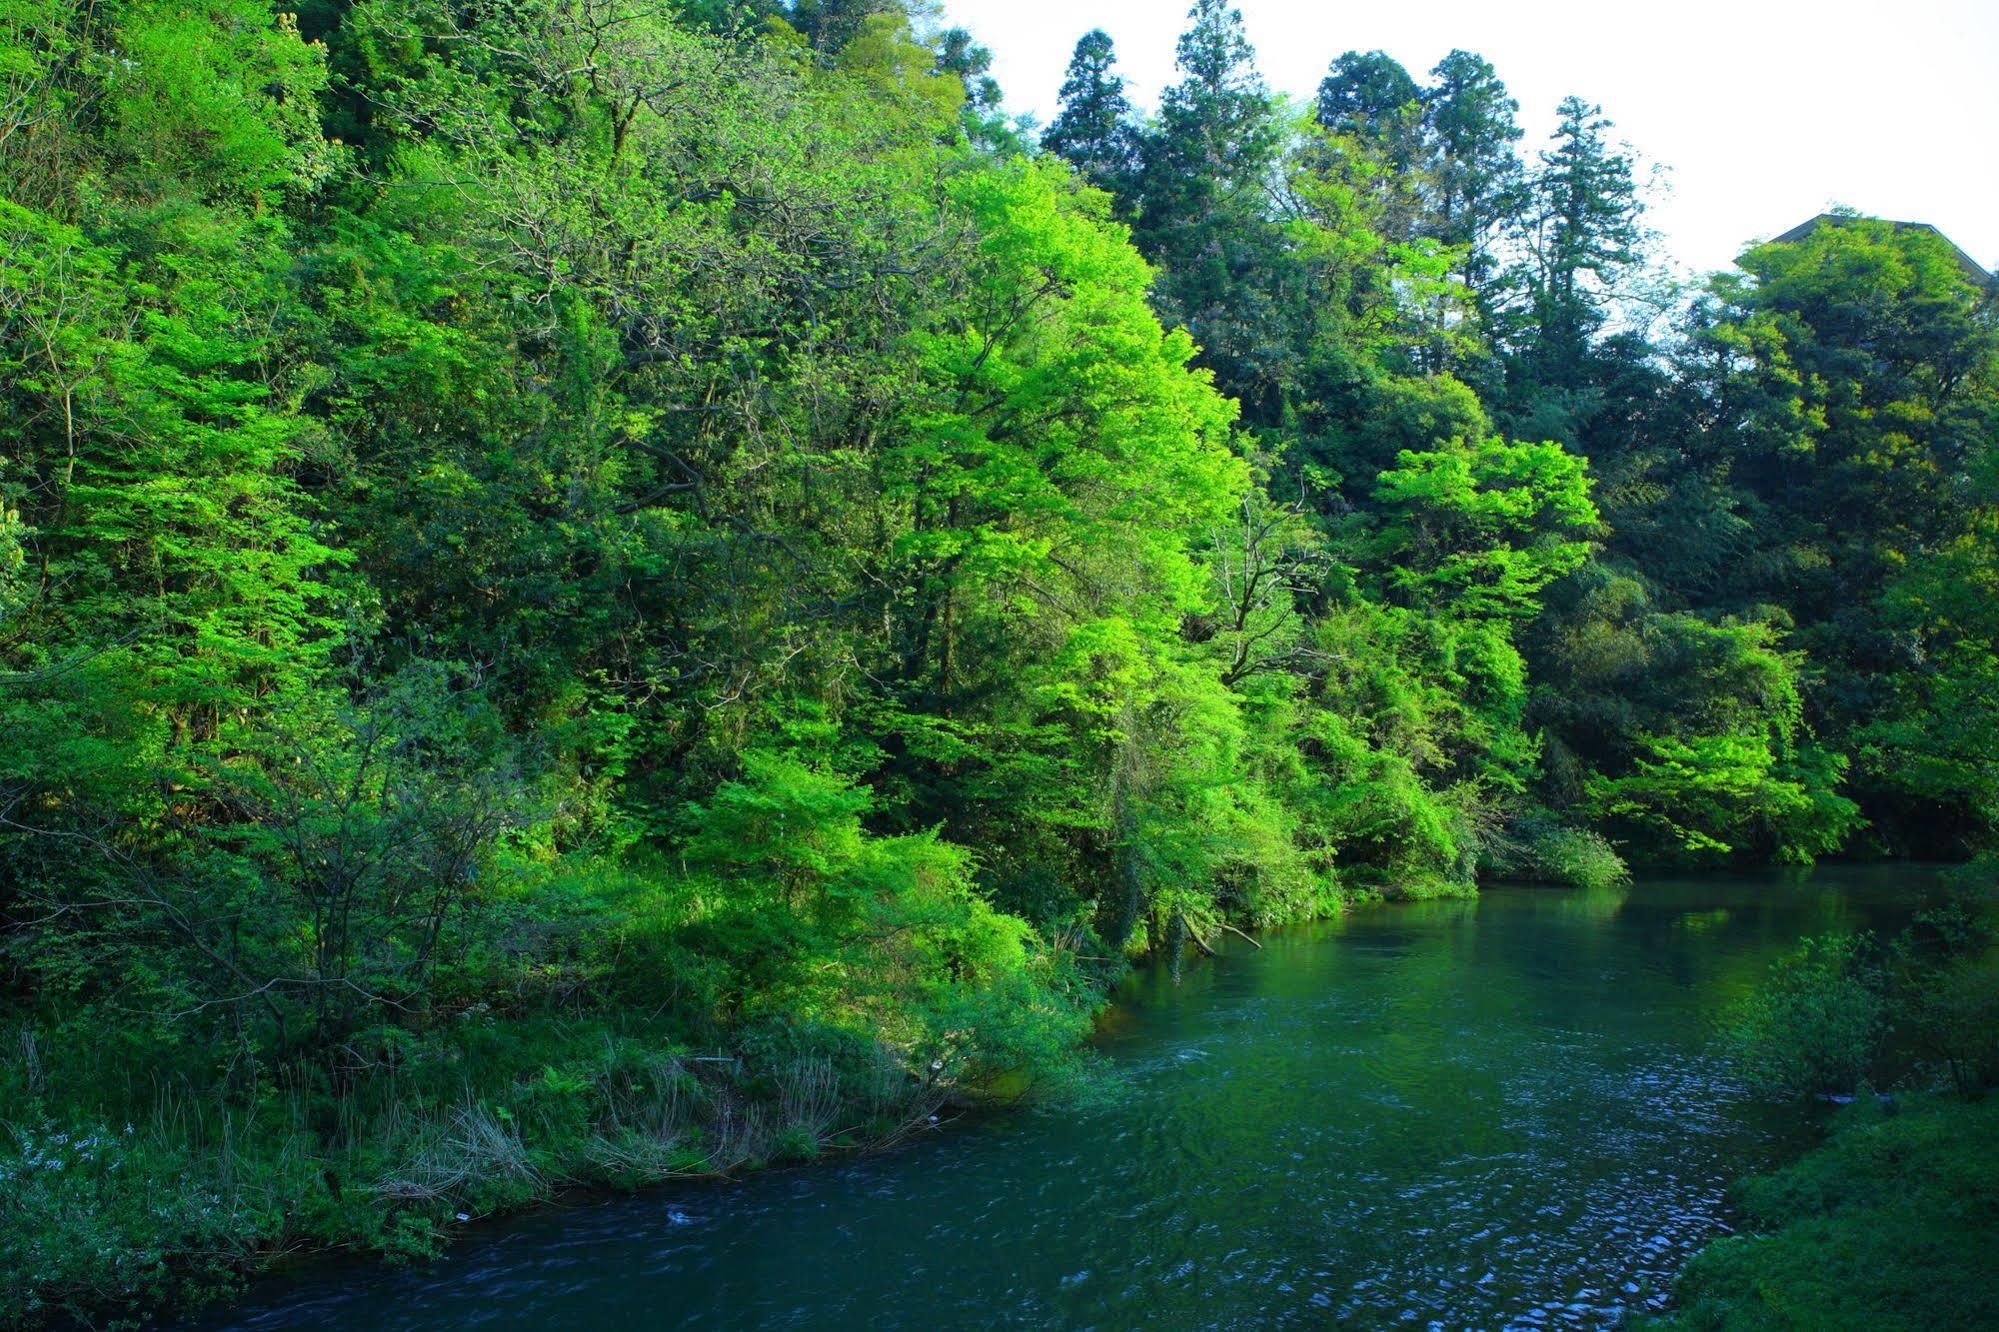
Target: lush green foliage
[(517, 517), (1879, 1228), (1873, 1228), (1816, 1025), (1846, 1013)]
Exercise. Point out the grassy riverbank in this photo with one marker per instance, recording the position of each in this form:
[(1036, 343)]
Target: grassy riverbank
[(135, 1180), (1892, 1223), (599, 1026), (1893, 1220), (140, 1179), (104, 1217)]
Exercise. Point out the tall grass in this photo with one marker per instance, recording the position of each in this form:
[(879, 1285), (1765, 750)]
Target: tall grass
[(101, 1216)]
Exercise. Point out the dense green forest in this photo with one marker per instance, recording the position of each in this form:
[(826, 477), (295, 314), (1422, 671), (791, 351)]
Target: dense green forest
[(593, 590)]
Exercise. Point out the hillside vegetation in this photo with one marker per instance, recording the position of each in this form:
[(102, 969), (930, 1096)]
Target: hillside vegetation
[(594, 590)]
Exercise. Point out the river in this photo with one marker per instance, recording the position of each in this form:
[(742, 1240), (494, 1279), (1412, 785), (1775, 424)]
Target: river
[(1505, 1112)]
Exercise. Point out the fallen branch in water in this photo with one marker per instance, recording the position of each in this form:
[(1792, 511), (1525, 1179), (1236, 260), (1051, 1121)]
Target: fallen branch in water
[(1239, 934)]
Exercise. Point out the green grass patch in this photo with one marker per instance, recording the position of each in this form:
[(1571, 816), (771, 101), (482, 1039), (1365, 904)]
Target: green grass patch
[(1892, 1223), (110, 1213)]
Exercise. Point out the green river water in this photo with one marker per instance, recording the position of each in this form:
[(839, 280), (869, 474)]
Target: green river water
[(1505, 1112)]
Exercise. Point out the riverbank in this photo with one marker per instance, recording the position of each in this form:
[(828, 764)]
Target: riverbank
[(135, 1187), (106, 1223), (164, 1179), (1891, 1223), (1461, 1110), (488, 1114)]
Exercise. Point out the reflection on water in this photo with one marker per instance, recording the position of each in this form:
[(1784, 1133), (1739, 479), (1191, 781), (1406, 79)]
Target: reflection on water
[(1500, 1113)]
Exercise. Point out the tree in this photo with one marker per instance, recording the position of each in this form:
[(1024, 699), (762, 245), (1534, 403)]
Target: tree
[(831, 24), (173, 583), (537, 537), (1040, 648), (1481, 528), (1371, 111), (985, 118), (1204, 219), (1582, 234), (1368, 95), (1476, 171), (1216, 120), (1471, 535), (1856, 380), (1094, 131)]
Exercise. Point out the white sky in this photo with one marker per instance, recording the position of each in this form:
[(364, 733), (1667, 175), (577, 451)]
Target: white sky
[(1765, 112)]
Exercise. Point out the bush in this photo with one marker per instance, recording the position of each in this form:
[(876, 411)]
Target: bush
[(1534, 847), (1952, 1022), (1944, 974), (1578, 858), (1816, 1025), (98, 1219)]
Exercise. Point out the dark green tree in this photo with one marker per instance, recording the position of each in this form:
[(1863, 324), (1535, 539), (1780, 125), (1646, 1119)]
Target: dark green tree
[(1854, 381), (1370, 96), (1581, 233), (1095, 131), (1210, 162), (1373, 111), (830, 24), (959, 53), (1475, 171)]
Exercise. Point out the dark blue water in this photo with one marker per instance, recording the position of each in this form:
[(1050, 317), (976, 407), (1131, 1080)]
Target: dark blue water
[(1505, 1112)]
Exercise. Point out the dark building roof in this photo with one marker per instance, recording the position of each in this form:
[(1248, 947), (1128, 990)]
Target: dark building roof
[(1804, 229)]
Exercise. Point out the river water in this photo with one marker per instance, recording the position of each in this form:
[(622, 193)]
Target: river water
[(1505, 1112)]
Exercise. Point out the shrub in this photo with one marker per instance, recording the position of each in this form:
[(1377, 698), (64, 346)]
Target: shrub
[(1578, 858), (1882, 1227), (96, 1218), (1533, 846), (1816, 1025), (1945, 990), (1952, 1022)]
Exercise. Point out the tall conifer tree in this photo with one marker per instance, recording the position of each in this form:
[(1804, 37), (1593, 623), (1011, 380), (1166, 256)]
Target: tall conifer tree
[(1209, 166), (1476, 174), (1583, 234), (1094, 131)]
